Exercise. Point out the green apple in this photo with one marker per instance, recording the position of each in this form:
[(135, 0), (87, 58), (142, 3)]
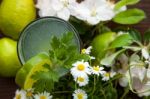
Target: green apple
[(15, 15), (9, 62), (101, 42), (23, 77)]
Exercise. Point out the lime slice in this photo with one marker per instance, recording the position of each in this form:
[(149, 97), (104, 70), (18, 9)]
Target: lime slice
[(35, 38), (23, 77)]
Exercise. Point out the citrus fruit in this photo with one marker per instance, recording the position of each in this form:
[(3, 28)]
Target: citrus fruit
[(15, 15), (23, 77), (101, 42), (9, 62)]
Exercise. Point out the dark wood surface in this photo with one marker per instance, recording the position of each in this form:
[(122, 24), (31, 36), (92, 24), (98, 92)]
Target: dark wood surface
[(8, 86)]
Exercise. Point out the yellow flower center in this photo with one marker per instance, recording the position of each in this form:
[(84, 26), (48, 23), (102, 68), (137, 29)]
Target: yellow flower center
[(107, 74), (83, 51), (93, 13), (18, 96), (80, 96), (29, 94), (96, 68), (81, 79), (80, 67), (65, 3), (42, 97)]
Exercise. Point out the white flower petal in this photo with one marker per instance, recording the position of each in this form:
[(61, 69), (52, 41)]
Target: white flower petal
[(44, 95), (64, 14), (145, 53), (79, 94), (57, 5), (123, 81), (21, 94)]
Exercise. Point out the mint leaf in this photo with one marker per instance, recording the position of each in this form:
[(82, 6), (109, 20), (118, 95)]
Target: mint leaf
[(64, 52), (147, 36), (122, 3), (45, 79), (122, 40), (108, 61), (135, 34), (131, 16)]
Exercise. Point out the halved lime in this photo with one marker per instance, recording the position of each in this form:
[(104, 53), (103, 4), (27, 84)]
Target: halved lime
[(23, 77), (35, 38)]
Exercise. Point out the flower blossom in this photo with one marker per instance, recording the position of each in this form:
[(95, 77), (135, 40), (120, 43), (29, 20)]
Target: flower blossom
[(107, 75), (82, 81), (79, 94), (44, 95), (97, 70), (80, 68), (94, 11), (20, 94), (58, 8)]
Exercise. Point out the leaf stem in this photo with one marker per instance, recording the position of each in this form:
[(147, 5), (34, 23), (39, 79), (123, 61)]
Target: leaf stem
[(125, 93), (94, 85)]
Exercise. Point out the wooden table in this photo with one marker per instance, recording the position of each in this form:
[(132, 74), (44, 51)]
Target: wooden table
[(8, 86)]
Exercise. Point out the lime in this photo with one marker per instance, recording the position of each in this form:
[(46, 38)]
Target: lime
[(23, 77), (101, 42), (9, 62), (15, 15)]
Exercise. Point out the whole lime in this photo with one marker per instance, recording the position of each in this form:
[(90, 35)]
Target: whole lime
[(15, 15), (9, 62), (101, 42)]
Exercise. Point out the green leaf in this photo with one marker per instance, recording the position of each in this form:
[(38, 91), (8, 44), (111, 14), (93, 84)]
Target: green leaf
[(111, 92), (64, 53), (67, 38), (147, 36), (103, 29), (108, 61), (131, 16), (45, 79), (133, 48), (55, 43), (122, 40), (122, 3), (135, 34)]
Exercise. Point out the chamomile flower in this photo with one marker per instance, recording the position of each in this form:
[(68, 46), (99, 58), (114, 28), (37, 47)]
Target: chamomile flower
[(79, 94), (80, 68), (86, 51), (20, 94), (97, 70), (29, 93), (107, 75), (44, 95), (82, 81)]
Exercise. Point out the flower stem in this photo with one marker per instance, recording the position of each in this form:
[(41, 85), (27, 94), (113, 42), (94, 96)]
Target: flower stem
[(75, 85), (94, 85), (103, 93), (125, 93)]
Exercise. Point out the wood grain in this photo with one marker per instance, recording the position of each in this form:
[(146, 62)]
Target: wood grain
[(8, 86)]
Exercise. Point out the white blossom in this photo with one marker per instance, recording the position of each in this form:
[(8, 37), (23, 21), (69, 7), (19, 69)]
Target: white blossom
[(79, 94)]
